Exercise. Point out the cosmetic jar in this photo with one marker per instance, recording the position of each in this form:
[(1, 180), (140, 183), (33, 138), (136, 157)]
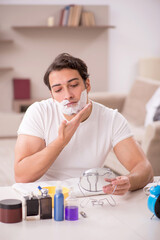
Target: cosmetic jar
[(10, 211)]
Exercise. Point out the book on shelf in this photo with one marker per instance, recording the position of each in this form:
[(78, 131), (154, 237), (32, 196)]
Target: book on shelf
[(88, 19), (77, 11), (66, 15), (70, 15), (61, 17), (21, 88)]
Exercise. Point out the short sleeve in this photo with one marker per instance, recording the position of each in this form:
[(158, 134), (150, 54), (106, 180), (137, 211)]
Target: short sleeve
[(32, 122), (120, 129)]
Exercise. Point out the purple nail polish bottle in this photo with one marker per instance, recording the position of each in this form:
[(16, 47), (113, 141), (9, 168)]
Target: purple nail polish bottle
[(71, 207)]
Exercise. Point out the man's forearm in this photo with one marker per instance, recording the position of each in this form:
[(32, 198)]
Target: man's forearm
[(140, 176), (33, 167)]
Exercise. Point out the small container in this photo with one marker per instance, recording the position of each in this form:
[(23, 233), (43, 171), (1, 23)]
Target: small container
[(59, 205), (45, 204), (31, 208), (71, 207), (45, 207), (10, 211)]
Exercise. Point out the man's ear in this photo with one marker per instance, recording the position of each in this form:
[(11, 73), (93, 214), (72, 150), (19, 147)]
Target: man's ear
[(88, 85)]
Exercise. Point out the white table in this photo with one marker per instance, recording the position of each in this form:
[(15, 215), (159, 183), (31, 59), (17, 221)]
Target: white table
[(130, 219)]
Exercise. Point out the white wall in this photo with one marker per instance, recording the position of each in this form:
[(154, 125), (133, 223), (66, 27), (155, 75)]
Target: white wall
[(137, 35)]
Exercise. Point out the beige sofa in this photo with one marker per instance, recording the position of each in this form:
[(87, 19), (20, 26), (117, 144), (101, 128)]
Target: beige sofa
[(132, 106)]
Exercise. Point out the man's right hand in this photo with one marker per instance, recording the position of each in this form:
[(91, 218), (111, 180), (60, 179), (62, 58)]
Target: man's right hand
[(67, 129)]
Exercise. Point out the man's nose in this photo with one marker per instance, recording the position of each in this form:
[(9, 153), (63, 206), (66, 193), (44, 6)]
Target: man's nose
[(68, 94)]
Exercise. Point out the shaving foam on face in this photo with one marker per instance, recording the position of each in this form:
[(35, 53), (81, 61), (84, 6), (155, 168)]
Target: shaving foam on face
[(70, 110)]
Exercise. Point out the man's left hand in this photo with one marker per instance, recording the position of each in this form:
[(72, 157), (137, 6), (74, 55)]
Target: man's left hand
[(117, 186)]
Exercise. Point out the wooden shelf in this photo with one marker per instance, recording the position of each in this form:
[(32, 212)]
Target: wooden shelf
[(64, 27)]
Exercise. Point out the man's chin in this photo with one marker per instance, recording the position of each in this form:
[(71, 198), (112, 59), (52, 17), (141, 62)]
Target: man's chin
[(69, 113)]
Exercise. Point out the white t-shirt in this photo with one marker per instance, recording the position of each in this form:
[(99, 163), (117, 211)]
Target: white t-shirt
[(89, 146)]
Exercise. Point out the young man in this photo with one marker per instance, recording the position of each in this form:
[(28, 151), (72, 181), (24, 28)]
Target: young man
[(65, 135)]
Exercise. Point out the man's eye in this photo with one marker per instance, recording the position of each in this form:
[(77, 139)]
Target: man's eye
[(74, 85), (58, 90)]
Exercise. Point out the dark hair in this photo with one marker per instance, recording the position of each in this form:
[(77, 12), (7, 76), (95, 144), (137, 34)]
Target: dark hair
[(65, 60)]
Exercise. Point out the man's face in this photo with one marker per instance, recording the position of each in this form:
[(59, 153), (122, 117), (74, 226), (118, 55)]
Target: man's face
[(67, 84)]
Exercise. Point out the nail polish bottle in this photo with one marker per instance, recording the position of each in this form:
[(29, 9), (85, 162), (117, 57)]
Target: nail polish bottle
[(45, 204), (71, 207), (31, 207)]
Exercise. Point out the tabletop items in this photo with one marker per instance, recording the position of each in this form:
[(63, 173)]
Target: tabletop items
[(152, 190), (58, 204), (65, 204), (131, 211), (31, 207), (45, 201), (71, 207), (10, 211), (93, 180), (40, 207)]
